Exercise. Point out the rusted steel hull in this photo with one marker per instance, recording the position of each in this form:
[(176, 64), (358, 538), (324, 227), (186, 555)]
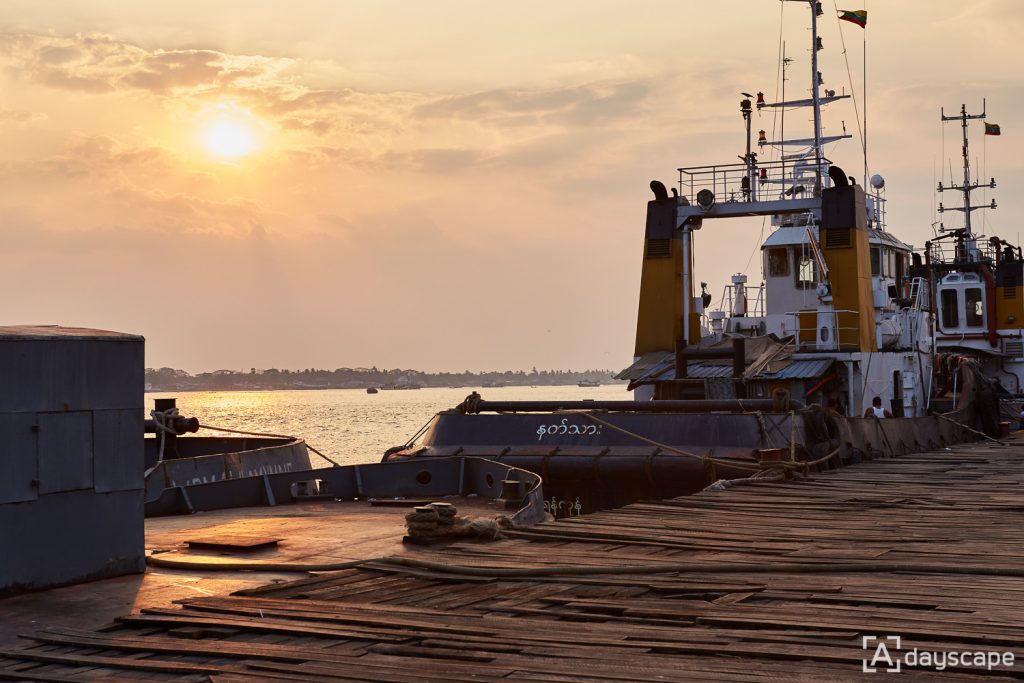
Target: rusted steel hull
[(431, 478), (599, 460), (206, 460)]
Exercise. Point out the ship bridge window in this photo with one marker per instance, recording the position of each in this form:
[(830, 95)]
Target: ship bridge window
[(973, 307), (778, 262), (876, 261), (805, 275), (950, 309)]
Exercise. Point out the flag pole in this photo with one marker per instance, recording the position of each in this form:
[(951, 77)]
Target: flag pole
[(864, 53)]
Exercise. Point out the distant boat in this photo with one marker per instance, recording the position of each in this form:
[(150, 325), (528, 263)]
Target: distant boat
[(371, 390), (493, 385), (589, 383)]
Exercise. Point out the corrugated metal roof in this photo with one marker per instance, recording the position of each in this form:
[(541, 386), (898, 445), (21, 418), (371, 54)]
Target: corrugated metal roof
[(800, 369), (654, 362), (661, 368), (705, 371)]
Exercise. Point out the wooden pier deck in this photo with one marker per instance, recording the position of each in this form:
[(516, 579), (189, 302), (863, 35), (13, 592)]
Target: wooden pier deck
[(781, 582)]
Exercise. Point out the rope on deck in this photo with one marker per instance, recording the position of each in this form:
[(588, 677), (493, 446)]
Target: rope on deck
[(973, 431)]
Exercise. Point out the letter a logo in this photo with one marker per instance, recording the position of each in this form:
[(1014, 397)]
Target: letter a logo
[(881, 654)]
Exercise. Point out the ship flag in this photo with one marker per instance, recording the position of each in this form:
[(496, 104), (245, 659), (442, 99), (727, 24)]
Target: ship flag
[(856, 16), (992, 129)]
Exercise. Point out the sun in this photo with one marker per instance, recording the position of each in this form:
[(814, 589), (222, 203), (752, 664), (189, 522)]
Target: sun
[(229, 138), (229, 132)]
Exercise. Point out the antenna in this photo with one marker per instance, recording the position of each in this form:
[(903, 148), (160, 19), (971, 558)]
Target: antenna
[(970, 248), (967, 187)]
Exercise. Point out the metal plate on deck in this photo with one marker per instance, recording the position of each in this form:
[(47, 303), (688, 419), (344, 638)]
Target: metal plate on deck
[(242, 542)]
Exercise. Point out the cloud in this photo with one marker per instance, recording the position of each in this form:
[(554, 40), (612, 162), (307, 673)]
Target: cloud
[(87, 157), (98, 63), (579, 104), (439, 160), (18, 116)]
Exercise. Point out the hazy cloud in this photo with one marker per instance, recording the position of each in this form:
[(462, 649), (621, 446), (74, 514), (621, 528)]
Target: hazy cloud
[(570, 105), (19, 116), (102, 63), (86, 157)]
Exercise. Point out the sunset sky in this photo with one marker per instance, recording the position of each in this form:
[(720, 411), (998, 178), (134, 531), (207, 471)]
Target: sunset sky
[(442, 186)]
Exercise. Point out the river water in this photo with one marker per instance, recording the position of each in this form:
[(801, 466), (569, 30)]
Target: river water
[(349, 425)]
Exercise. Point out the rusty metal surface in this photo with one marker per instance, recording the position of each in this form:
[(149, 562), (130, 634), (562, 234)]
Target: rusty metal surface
[(230, 460), (415, 479), (641, 456)]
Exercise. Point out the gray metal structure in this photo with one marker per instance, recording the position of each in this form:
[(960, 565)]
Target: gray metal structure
[(71, 455), (428, 478)]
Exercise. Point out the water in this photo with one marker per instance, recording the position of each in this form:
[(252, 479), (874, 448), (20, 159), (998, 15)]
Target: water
[(349, 425)]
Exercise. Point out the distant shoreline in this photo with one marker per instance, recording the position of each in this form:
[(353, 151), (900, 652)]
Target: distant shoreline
[(171, 379), (163, 390)]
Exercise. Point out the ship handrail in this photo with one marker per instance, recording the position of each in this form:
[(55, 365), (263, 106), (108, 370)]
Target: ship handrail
[(727, 181), (799, 332)]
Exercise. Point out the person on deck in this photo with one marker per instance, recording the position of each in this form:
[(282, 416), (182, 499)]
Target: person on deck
[(833, 408), (876, 409)]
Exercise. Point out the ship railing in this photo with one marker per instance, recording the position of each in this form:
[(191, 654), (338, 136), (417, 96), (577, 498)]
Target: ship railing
[(750, 309), (770, 180), (843, 329), (960, 251)]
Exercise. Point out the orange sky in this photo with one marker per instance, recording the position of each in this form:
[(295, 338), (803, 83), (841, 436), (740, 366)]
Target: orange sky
[(444, 186)]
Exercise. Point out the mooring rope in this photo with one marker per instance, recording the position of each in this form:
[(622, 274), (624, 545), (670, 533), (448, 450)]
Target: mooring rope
[(274, 436), (973, 431), (711, 460)]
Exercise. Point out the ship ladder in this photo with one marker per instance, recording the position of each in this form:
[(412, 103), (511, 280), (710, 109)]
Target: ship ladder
[(915, 293)]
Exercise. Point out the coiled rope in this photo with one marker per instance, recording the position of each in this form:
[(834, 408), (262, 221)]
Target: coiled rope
[(162, 420)]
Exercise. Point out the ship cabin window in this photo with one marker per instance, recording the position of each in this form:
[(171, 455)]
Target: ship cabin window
[(778, 262), (973, 307), (876, 261), (950, 309), (805, 275)]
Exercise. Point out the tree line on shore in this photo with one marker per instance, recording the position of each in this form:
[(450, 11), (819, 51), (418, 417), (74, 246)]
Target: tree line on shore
[(171, 379)]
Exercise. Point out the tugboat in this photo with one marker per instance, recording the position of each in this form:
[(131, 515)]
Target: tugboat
[(830, 361), (977, 289)]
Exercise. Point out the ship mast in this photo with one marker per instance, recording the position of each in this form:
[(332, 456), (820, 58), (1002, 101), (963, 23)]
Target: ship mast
[(967, 187), (812, 146), (815, 98)]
